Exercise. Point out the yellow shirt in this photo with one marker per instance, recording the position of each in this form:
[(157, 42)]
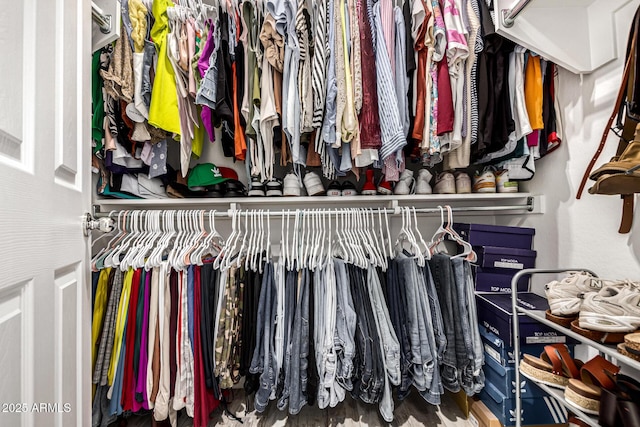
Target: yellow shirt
[(163, 112), (99, 308), (121, 320)]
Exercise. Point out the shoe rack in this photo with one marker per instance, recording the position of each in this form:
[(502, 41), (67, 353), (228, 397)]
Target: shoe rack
[(607, 351)]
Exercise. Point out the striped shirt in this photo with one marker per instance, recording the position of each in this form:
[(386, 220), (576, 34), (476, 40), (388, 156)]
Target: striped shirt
[(391, 129)]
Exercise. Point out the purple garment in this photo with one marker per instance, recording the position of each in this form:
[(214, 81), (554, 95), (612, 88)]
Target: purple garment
[(203, 66), (141, 383)]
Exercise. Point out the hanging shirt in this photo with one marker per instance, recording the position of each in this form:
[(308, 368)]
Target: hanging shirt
[(163, 112), (391, 127)]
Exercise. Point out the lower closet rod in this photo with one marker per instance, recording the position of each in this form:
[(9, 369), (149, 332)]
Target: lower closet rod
[(284, 212)]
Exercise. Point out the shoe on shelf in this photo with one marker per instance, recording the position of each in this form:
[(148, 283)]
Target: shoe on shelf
[(334, 189), (406, 174), (349, 189), (256, 188), (503, 184), (484, 182), (445, 183), (555, 366), (463, 182), (565, 295), (384, 188), (292, 185), (614, 309), (405, 184), (369, 187), (274, 187), (313, 184), (584, 392), (423, 185)]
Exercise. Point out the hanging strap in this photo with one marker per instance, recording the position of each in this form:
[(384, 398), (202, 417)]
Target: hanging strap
[(626, 88), (603, 140), (627, 213)]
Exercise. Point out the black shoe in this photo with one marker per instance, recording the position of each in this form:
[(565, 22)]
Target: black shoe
[(334, 189), (349, 189), (274, 188), (257, 187)]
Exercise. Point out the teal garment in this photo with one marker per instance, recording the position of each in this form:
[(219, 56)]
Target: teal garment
[(97, 103)]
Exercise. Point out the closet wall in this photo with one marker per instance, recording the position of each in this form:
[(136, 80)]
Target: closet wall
[(584, 233)]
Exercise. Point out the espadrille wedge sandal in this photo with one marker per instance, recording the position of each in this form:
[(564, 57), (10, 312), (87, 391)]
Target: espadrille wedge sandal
[(631, 346), (595, 375), (554, 367)]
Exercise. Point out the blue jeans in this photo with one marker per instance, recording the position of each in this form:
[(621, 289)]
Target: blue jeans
[(442, 270)]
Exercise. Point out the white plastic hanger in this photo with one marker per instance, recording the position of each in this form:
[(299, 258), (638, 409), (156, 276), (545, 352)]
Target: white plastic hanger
[(468, 253), (103, 251)]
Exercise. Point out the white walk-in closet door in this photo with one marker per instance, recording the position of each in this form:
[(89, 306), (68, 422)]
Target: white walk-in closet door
[(45, 301)]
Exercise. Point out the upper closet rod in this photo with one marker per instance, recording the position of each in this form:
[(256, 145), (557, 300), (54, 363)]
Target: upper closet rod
[(509, 15), (103, 21)]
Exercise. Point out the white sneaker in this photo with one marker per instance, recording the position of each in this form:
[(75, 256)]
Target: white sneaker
[(463, 182), (313, 184), (405, 184), (565, 296), (613, 309), (402, 188), (445, 183), (503, 184), (484, 182), (292, 185), (423, 185)]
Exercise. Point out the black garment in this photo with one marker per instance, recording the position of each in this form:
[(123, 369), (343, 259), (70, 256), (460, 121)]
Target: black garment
[(410, 60), (494, 106), (362, 359), (548, 134), (312, 370), (368, 378), (249, 329), (378, 377), (396, 302), (208, 285), (173, 330), (223, 112)]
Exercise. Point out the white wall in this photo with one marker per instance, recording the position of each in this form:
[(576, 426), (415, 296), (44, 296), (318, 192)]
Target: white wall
[(584, 233)]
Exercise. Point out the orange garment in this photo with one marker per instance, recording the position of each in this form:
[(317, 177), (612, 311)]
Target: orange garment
[(239, 140), (533, 92), (421, 80)]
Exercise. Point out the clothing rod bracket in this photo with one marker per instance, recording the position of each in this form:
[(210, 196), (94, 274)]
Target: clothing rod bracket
[(509, 15)]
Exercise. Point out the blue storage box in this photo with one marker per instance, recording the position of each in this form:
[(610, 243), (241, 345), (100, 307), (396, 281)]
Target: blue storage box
[(494, 314), (504, 260), (495, 349), (537, 410), (493, 280), (504, 380), (496, 235)]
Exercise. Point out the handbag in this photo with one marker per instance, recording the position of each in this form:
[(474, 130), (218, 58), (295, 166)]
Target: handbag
[(621, 175)]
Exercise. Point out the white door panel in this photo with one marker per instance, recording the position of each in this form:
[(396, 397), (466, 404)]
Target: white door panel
[(44, 190)]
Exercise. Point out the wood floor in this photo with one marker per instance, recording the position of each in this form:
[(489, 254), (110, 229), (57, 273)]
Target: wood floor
[(413, 411)]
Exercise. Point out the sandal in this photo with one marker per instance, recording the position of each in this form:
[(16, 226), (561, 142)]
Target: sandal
[(631, 346), (614, 403), (598, 336), (554, 367), (584, 394), (564, 321)]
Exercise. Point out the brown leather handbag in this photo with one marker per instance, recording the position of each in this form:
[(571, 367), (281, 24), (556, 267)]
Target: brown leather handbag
[(621, 175)]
